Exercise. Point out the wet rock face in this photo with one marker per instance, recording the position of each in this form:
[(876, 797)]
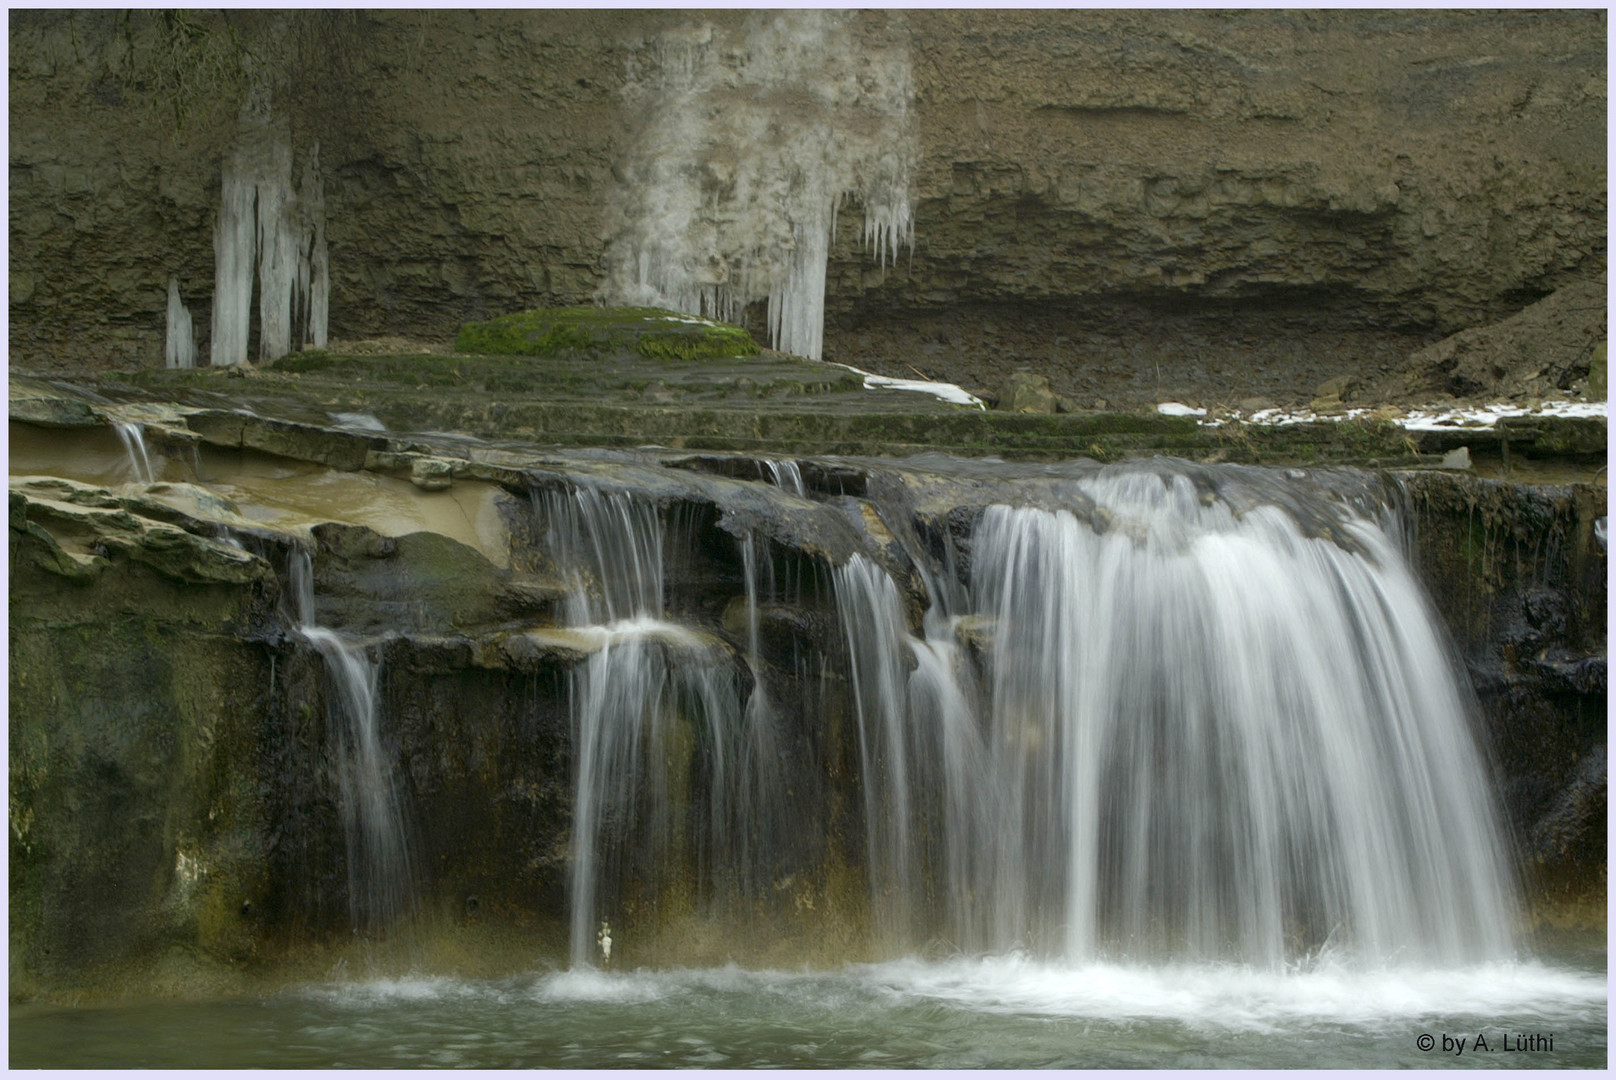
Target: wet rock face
[(1521, 584), (1254, 200), (137, 672)]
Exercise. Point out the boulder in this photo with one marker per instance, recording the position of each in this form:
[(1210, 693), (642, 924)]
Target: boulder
[(1024, 392)]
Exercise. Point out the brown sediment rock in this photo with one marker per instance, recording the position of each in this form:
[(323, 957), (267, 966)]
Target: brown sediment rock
[(1140, 205)]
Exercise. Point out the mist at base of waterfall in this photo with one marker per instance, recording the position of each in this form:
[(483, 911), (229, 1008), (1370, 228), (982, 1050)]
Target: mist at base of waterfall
[(1001, 1011)]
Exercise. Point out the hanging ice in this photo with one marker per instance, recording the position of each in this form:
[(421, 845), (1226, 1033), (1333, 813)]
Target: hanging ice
[(180, 350), (269, 225), (749, 142)]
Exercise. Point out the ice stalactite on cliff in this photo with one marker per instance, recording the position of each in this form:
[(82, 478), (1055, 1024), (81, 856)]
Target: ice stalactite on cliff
[(269, 225), (749, 141), (180, 350)]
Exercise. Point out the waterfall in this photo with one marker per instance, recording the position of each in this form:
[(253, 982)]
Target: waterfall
[(380, 880), (748, 141), (1204, 727), (271, 227), (787, 476), (133, 437), (657, 714), (762, 815), (180, 347)]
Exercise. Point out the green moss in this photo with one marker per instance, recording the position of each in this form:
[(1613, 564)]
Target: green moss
[(651, 333)]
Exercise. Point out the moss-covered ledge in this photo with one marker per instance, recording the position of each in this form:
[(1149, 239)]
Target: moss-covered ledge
[(651, 333)]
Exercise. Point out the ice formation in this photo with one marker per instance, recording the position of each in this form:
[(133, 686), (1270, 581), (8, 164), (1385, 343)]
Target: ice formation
[(180, 350), (268, 224), (750, 140)]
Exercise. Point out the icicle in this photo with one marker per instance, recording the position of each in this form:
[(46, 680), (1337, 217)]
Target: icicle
[(732, 196), (268, 223), (180, 349), (235, 251), (277, 259), (316, 269)]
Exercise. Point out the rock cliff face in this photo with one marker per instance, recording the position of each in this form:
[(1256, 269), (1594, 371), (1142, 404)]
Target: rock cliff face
[(1230, 202)]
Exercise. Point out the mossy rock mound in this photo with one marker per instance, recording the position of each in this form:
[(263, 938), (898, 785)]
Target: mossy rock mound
[(652, 333)]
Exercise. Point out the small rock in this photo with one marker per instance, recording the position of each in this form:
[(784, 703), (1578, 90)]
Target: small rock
[(1025, 392), (1065, 404), (431, 474), (1327, 406), (1101, 404), (1341, 387), (22, 288), (657, 390), (1388, 412), (1456, 459), (1254, 404)]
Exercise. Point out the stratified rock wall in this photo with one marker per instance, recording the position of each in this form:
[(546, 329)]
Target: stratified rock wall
[(1229, 201)]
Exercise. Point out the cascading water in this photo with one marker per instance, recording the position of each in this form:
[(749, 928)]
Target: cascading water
[(380, 889), (749, 141), (787, 476), (1206, 730), (650, 686), (133, 437)]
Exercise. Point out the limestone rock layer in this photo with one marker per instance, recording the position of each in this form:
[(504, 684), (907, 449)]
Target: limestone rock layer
[(1260, 198)]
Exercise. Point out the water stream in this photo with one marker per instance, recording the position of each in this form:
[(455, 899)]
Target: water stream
[(380, 881), (133, 437)]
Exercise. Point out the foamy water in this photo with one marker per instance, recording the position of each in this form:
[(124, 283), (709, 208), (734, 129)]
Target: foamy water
[(1004, 1011)]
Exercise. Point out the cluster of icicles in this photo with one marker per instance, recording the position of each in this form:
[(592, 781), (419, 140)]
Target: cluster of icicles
[(750, 142), (1193, 734), (271, 231)]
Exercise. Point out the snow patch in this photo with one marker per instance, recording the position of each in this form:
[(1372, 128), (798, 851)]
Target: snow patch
[(946, 391), (1480, 417)]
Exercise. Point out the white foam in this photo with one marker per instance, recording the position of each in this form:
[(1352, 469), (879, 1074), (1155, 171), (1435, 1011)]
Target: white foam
[(1238, 998), (403, 989), (1174, 408), (592, 984), (1209, 998)]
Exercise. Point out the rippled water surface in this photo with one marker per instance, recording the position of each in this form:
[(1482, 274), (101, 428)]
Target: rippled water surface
[(1000, 1012)]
